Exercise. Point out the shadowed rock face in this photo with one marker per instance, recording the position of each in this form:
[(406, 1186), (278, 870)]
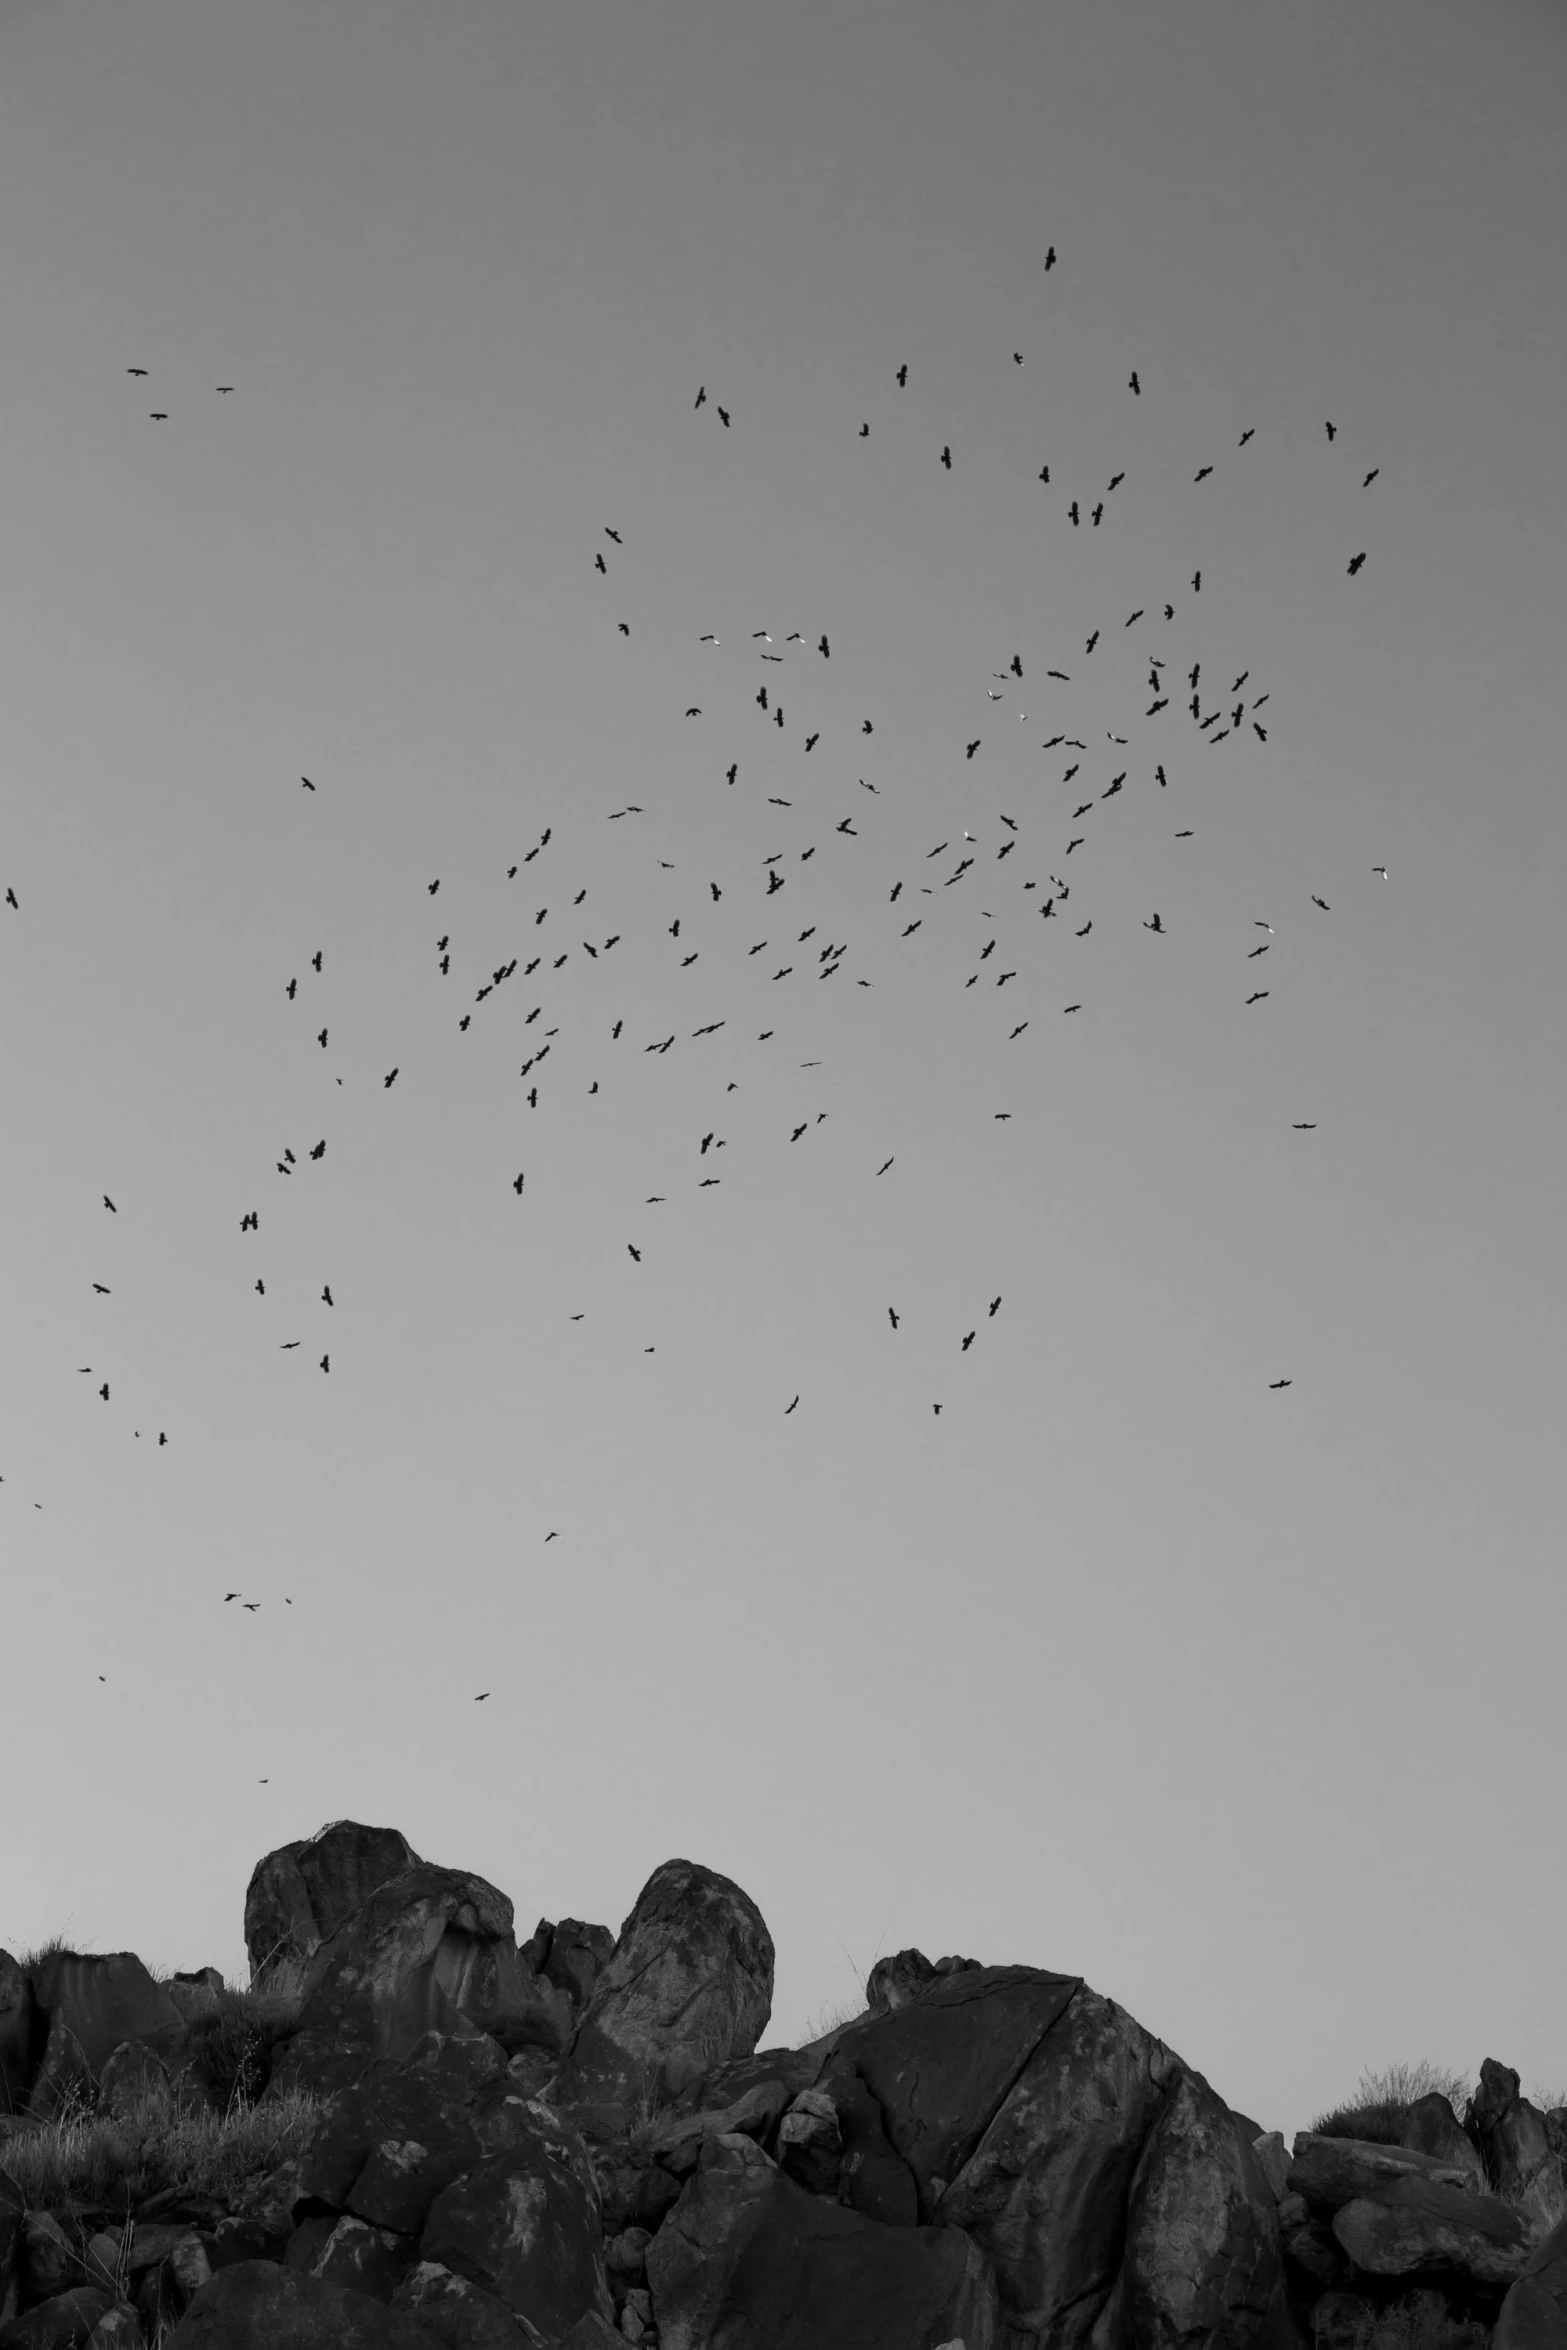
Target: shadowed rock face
[(431, 1950), (689, 1987), (301, 1894), (1431, 2127), (525, 2225), (748, 2256), (1414, 2225)]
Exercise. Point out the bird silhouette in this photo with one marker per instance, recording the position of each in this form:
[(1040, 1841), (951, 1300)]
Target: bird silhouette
[(1331, 431), (1323, 903), (946, 457), (1133, 383), (136, 371), (1245, 436), (1355, 564), (701, 396), (791, 1407), (1018, 356), (903, 373), (865, 432), (10, 899), (601, 564), (1305, 1125), (1155, 924), (229, 388), (636, 1252), (1071, 1007), (326, 1294), (159, 415), (1207, 469), (1281, 1382), (1183, 835), (1050, 258), (612, 534), (1257, 998), (109, 1204), (228, 1595), (882, 1169), (1382, 869), (305, 780), (483, 1694), (723, 418), (102, 1292), (967, 1343), (1093, 640)]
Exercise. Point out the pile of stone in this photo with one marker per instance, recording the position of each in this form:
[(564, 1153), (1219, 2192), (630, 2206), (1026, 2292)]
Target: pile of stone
[(573, 2142)]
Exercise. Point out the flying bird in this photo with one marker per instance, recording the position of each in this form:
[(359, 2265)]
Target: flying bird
[(102, 1292), (946, 457), (1371, 477), (136, 371), (1257, 998), (305, 780), (326, 1294), (636, 1252), (1207, 469), (791, 1407), (903, 373), (1382, 869), (1281, 1382), (109, 1204), (159, 415), (1331, 430), (229, 388), (723, 417), (701, 395), (390, 1075), (1245, 436), (1155, 924), (1050, 258), (10, 899), (1305, 1126), (1355, 563), (612, 534), (1323, 903), (1133, 383)]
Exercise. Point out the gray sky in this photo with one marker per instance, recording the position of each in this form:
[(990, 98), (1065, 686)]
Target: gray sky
[(1241, 1702)]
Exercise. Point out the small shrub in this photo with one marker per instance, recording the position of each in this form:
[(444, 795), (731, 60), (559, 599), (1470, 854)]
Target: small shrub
[(1379, 2111), (1419, 2321)]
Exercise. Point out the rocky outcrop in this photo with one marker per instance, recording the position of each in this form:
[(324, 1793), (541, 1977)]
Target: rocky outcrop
[(89, 2006), (299, 1895), (577, 2142)]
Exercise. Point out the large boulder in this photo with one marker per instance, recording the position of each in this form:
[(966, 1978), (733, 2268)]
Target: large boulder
[(367, 2259), (689, 1987), (256, 2305), (299, 1895), (430, 1950), (1414, 2227), (90, 2004), (1204, 2263), (13, 2208), (197, 1993), (748, 2256), (526, 2225), (1533, 2315), (22, 2032)]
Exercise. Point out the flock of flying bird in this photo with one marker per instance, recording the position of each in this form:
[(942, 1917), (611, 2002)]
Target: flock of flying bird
[(1229, 705)]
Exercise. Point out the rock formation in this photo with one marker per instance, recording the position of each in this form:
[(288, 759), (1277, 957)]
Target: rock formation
[(575, 2142)]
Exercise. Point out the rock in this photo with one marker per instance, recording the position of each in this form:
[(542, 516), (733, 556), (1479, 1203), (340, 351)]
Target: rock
[(189, 2266), (49, 2262), (1415, 2225), (748, 2256), (1431, 2127), (525, 2224), (90, 2004), (632, 2192), (1331, 2172), (1556, 2130), (258, 2306), (893, 1982), (119, 2328), (1511, 2131), (626, 2254), (308, 2241), (103, 2261), (460, 2314), (63, 2322), (22, 2031), (430, 1950), (810, 2143), (153, 2242), (1533, 2315), (689, 1987), (236, 2239), (131, 2076), (370, 2260), (1268, 2147), (636, 2314), (299, 1895), (1203, 2260), (577, 1956)]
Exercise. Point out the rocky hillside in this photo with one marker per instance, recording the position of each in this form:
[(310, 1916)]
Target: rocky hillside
[(415, 2132)]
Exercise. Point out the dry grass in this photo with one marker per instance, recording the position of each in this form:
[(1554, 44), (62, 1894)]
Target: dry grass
[(1419, 2321)]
